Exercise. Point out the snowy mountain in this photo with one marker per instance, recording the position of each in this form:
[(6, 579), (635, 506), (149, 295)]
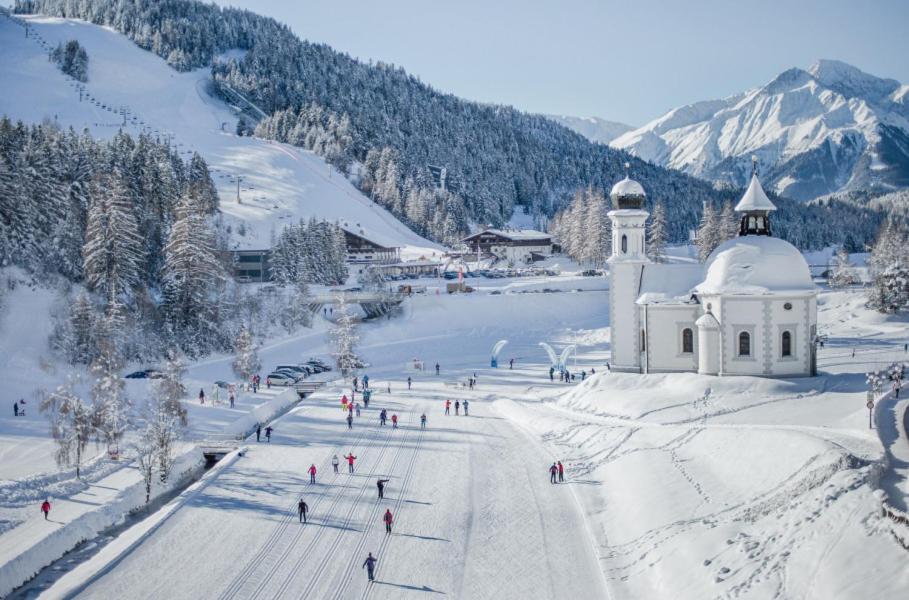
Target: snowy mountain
[(826, 129), (594, 129), (131, 89)]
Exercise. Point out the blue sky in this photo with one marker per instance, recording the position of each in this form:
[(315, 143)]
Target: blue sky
[(622, 60)]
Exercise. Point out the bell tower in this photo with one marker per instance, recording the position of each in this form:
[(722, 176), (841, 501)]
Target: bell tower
[(626, 264)]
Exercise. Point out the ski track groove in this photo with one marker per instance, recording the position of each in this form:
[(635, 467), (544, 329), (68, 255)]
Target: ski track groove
[(327, 558), (264, 551), (398, 503)]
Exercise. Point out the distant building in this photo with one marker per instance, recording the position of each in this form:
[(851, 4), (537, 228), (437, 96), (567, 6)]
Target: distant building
[(251, 266), (363, 253), (518, 246), (412, 268)]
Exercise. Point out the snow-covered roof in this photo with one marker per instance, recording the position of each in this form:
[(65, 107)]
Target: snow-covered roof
[(754, 198), (669, 283), (514, 234), (707, 321), (627, 187), (756, 265)]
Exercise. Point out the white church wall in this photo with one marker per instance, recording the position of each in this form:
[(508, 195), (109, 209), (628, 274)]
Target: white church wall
[(665, 324), (737, 316), (797, 320), (623, 315)]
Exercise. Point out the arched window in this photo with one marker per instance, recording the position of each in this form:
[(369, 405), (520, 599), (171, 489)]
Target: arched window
[(624, 244), (786, 344), (643, 341), (687, 340), (744, 344)]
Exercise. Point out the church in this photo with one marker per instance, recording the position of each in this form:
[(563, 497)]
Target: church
[(750, 309)]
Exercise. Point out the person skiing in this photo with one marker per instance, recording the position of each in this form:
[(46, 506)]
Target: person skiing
[(16, 408), (344, 402), (258, 432), (349, 421), (232, 399), (465, 408), (409, 382), (45, 508), (366, 382), (423, 421), (394, 421), (350, 407), (350, 460), (583, 375), (561, 472), (382, 416), (356, 382), (511, 364), (457, 407), (202, 396), (388, 520), (335, 462), (381, 485), (437, 368), (553, 473), (358, 408), (302, 508), (370, 564), (448, 407), (268, 431), (312, 473)]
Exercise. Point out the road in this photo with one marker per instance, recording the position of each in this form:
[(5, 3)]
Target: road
[(475, 514)]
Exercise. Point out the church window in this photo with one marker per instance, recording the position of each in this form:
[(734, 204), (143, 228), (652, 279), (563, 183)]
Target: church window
[(624, 244), (643, 341), (786, 344), (687, 340), (744, 344)]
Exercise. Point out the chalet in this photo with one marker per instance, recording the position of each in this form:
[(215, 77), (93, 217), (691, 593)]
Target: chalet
[(363, 253), (518, 246), (251, 266)]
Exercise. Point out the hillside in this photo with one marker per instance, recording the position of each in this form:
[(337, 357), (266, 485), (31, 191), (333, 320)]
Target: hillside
[(827, 129), (279, 184), (594, 129)]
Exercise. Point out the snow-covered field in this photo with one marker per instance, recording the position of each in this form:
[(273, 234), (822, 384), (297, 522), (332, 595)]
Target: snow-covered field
[(279, 183)]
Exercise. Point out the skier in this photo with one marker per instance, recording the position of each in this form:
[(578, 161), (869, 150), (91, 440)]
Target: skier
[(302, 508), (511, 363), (232, 398), (465, 408), (356, 383), (366, 382), (358, 408), (381, 485), (561, 472), (593, 371), (16, 408), (423, 421), (553, 473), (382, 416), (394, 421), (350, 421), (344, 402), (583, 375), (457, 407), (350, 460), (258, 432), (388, 389), (388, 520), (202, 396), (437, 368), (409, 382), (45, 508), (448, 407), (370, 564), (334, 463), (268, 431), (312, 473), (350, 407)]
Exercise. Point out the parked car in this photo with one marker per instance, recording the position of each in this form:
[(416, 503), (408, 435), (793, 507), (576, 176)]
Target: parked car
[(280, 378), (299, 371), (318, 364), (145, 374), (222, 384)]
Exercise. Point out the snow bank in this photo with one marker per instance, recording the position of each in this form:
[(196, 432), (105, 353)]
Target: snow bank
[(31, 560), (268, 411)]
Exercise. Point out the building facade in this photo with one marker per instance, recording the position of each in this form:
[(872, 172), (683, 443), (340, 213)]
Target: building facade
[(517, 246)]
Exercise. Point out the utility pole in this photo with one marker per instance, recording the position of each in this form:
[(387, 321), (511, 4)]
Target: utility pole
[(239, 179)]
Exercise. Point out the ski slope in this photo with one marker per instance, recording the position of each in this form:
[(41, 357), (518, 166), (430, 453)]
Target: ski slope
[(134, 90)]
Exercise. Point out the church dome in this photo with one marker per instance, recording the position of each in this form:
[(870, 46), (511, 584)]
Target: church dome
[(627, 193), (756, 265)]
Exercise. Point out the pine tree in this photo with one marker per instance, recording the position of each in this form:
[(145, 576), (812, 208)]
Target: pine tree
[(598, 230), (708, 233), (656, 234), (71, 424), (729, 223), (201, 185), (110, 404), (344, 338), (246, 360), (889, 263), (82, 345), (842, 273)]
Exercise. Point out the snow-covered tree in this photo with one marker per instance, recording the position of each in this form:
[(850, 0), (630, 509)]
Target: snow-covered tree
[(729, 223), (82, 341), (246, 360), (889, 263), (297, 312), (110, 404), (842, 273), (72, 59), (169, 390), (72, 426), (344, 338), (709, 232), (656, 234), (597, 239)]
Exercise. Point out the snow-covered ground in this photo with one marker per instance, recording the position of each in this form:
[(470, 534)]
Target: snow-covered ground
[(279, 183)]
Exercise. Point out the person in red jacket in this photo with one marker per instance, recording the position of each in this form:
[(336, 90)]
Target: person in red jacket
[(350, 460), (388, 520), (312, 473), (45, 508), (561, 472), (394, 421)]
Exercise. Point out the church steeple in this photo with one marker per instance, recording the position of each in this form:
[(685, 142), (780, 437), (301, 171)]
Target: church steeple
[(755, 206)]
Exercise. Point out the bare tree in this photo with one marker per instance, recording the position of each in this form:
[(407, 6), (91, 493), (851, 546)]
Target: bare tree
[(71, 424)]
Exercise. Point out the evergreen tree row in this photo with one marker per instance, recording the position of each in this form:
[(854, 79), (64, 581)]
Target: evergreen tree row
[(500, 157), (72, 59), (313, 252), (889, 265), (583, 229)]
